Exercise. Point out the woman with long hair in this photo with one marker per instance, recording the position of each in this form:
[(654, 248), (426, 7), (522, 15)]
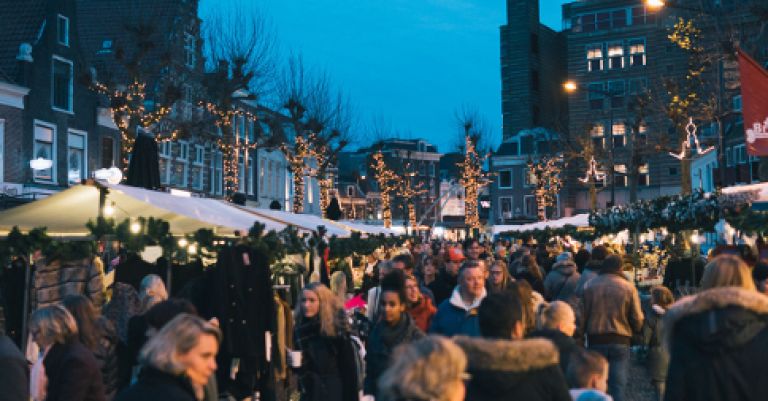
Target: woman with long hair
[(177, 362), (98, 335), (719, 334), (69, 371), (327, 366), (498, 277), (429, 369), (393, 328), (529, 271)]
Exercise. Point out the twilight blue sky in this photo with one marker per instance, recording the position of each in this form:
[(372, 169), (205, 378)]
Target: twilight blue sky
[(409, 63)]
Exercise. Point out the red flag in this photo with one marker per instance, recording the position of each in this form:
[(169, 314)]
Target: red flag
[(754, 104)]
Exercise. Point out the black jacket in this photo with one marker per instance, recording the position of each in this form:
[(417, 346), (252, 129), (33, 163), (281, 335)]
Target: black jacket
[(329, 367), (154, 385), (381, 343), (565, 345), (14, 372), (513, 370), (241, 296), (718, 341), (443, 286), (73, 374)]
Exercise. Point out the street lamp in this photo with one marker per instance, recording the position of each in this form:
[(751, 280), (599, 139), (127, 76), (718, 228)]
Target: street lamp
[(571, 87)]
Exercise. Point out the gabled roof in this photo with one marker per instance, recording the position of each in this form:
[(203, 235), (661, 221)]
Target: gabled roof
[(20, 22)]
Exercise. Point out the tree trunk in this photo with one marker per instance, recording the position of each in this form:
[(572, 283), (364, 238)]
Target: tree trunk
[(685, 176)]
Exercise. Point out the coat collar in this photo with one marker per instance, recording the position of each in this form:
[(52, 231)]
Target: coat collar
[(459, 303), (509, 355), (715, 298)]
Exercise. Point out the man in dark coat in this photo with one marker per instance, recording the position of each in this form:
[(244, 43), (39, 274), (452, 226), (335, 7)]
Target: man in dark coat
[(447, 277), (560, 283), (505, 367), (718, 340), (14, 372)]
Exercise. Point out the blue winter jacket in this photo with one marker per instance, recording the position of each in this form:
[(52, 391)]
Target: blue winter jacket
[(454, 318)]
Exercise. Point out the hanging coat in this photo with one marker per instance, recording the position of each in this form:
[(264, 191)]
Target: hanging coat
[(241, 298)]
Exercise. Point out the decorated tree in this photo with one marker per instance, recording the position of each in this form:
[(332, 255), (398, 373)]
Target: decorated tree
[(409, 190), (545, 176), (473, 178), (387, 182)]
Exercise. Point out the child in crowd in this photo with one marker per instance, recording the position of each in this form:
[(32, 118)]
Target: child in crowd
[(588, 376)]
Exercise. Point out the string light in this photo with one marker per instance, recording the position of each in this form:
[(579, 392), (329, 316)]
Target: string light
[(135, 227), (687, 149), (592, 172), (546, 174), (408, 191), (473, 178), (386, 179)]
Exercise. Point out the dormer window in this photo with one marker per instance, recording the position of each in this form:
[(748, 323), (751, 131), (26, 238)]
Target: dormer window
[(62, 30)]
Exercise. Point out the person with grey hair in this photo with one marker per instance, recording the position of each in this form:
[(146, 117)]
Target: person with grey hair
[(557, 323), (457, 315), (429, 369), (71, 372), (177, 362)]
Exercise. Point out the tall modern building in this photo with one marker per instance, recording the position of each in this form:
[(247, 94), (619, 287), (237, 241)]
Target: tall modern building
[(532, 70)]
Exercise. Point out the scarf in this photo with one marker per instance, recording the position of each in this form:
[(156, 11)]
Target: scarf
[(308, 329), (391, 336)]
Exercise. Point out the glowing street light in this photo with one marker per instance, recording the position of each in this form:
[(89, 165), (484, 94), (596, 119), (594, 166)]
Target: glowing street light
[(570, 86), (655, 4)]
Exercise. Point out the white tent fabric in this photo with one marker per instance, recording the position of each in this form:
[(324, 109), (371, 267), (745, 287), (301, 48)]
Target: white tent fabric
[(304, 222), (579, 220), (368, 229), (65, 213), (761, 189)]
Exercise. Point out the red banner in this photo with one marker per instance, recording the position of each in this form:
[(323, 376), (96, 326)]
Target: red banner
[(754, 104)]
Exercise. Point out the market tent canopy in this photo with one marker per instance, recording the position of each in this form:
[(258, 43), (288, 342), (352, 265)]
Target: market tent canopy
[(367, 229), (65, 213), (579, 220), (761, 191), (304, 222)]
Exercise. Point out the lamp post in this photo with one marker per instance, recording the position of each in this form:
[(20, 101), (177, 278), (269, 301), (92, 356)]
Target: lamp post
[(571, 87)]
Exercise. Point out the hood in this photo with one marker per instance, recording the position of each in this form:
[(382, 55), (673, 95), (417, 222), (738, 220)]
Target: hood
[(566, 268), (459, 303), (718, 318), (498, 366)]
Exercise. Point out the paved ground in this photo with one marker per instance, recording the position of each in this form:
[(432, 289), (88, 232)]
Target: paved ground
[(639, 387)]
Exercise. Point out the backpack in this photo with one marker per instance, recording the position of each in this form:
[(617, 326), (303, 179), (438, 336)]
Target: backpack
[(357, 346)]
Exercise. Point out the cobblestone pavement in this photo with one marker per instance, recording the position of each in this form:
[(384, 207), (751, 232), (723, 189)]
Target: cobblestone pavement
[(639, 387)]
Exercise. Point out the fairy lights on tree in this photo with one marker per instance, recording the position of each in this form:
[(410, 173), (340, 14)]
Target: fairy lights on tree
[(409, 191), (387, 181), (544, 174), (298, 156), (473, 178)]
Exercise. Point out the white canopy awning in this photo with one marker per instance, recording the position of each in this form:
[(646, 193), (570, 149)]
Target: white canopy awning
[(304, 222), (579, 220), (65, 213), (367, 229)]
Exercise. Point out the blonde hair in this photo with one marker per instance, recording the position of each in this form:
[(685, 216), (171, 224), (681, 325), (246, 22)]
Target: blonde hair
[(151, 292), (727, 271), (54, 324), (330, 313), (424, 369), (339, 284), (552, 315), (176, 338)]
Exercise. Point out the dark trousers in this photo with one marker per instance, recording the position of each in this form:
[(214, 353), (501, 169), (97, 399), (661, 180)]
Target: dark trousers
[(618, 369)]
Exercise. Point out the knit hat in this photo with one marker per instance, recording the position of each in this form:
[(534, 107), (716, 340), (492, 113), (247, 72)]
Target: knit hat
[(455, 254), (564, 257)]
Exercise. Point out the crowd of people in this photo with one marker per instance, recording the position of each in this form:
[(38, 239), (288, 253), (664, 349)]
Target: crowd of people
[(435, 321)]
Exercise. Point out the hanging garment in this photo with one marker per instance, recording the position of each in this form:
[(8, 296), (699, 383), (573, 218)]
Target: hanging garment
[(56, 279), (12, 289)]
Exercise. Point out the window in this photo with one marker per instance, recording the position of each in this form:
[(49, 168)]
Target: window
[(505, 179), (619, 18), (603, 21), (77, 156), (530, 207), (350, 191), (642, 134), (190, 50), (588, 23), (597, 133), (251, 175), (262, 170), (643, 177), (165, 148), (180, 174), (62, 30), (44, 147), (641, 16), (615, 56), (529, 179), (620, 176), (637, 52), (637, 86), (596, 94), (61, 84), (217, 177), (107, 152), (673, 170), (506, 208), (240, 173), (199, 155), (619, 134), (595, 58), (616, 90)]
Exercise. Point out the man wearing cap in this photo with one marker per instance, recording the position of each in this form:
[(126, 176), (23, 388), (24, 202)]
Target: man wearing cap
[(561, 282), (457, 315), (447, 276)]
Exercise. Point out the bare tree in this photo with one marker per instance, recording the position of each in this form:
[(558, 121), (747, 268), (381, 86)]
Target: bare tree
[(471, 123)]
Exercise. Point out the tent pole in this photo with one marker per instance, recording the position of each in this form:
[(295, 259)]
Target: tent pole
[(25, 305), (102, 200)]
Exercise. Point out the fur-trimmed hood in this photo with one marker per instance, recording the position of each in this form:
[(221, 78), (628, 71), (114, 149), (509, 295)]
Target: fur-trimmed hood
[(718, 318), (508, 355), (565, 268)]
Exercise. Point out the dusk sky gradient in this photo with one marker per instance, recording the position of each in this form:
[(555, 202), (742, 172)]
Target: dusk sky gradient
[(410, 63)]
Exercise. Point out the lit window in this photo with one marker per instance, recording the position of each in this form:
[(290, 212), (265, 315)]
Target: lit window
[(620, 176), (43, 148), (190, 49), (61, 84), (597, 133), (595, 58), (619, 134), (76, 157), (62, 30), (615, 56), (643, 177), (637, 52)]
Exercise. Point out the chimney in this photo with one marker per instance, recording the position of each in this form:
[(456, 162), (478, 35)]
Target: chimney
[(24, 62)]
